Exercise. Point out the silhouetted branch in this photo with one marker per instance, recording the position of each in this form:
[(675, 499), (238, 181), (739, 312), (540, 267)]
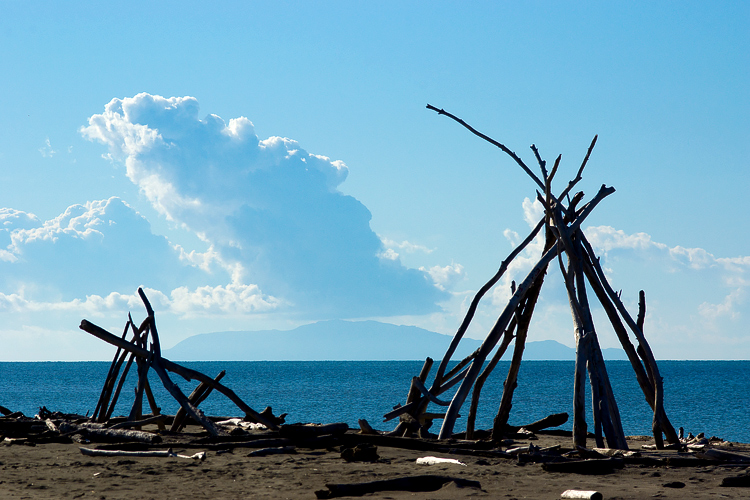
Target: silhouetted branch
[(491, 141)]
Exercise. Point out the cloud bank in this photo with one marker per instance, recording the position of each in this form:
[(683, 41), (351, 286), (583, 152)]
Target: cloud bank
[(91, 258), (270, 211)]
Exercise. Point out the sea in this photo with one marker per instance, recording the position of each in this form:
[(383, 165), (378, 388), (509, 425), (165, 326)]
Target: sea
[(701, 396)]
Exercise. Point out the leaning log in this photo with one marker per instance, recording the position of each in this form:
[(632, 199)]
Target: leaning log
[(189, 408), (650, 360), (199, 394), (511, 381)]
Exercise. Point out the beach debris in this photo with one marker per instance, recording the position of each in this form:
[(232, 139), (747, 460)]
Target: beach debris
[(610, 452), (272, 451), (408, 483), (151, 358), (723, 456), (438, 461), (563, 238), (365, 427), (241, 423), (307, 431), (581, 494), (670, 446), (151, 453), (741, 481), (674, 484), (363, 452)]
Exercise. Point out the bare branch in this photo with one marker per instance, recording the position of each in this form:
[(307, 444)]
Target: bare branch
[(542, 163), (491, 141)]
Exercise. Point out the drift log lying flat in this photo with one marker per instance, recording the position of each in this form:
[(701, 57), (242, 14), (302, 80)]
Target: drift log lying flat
[(409, 483)]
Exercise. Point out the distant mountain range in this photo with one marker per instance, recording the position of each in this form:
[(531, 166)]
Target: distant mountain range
[(338, 340)]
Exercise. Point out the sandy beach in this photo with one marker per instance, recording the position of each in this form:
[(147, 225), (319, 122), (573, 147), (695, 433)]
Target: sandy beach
[(57, 470)]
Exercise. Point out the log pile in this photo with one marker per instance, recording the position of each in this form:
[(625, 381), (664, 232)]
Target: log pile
[(566, 245)]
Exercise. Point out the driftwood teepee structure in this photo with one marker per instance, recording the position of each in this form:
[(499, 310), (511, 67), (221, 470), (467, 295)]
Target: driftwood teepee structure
[(567, 246)]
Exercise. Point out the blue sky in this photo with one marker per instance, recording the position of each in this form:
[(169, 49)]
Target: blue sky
[(263, 165)]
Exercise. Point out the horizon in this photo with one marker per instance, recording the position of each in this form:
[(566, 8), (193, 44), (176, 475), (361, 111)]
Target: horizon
[(258, 167)]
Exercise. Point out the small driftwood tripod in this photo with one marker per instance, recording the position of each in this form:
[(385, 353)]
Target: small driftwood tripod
[(562, 220)]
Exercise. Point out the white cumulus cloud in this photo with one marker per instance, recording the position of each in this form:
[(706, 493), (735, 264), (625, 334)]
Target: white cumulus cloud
[(270, 209)]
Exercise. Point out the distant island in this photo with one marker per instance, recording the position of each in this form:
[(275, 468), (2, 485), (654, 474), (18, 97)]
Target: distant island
[(339, 340)]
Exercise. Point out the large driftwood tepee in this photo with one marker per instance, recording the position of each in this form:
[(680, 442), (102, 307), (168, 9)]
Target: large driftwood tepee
[(565, 246)]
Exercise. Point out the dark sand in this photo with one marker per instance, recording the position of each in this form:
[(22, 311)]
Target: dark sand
[(61, 471)]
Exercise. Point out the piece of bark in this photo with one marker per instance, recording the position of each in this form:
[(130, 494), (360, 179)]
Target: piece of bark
[(409, 483)]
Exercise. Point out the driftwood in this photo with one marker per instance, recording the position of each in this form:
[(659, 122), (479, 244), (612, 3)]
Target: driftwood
[(272, 451), (409, 483), (439, 461), (502, 322), (109, 435), (122, 453), (255, 443), (742, 481), (184, 372), (724, 456), (365, 427), (157, 419), (563, 238), (523, 315), (554, 420), (307, 431)]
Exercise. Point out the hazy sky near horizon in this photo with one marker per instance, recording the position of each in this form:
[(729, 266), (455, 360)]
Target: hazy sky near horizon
[(259, 165)]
